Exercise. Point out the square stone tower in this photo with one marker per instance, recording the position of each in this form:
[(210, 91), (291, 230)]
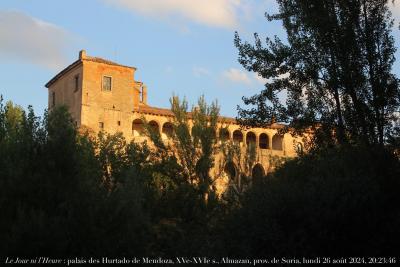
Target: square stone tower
[(100, 94)]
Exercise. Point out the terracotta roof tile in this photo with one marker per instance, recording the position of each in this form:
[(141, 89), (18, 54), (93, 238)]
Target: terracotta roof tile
[(154, 111), (106, 61), (61, 73), (79, 61), (167, 112)]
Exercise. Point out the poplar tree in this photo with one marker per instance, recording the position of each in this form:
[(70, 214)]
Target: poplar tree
[(335, 68)]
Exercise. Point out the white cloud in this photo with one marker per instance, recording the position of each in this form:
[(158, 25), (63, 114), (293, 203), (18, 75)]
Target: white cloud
[(236, 75), (262, 80), (395, 8), (259, 78), (31, 40), (214, 13), (248, 78), (200, 71)]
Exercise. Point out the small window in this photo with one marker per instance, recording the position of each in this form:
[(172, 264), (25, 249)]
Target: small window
[(119, 123), (299, 148), (53, 99), (107, 83), (76, 83), (101, 125)]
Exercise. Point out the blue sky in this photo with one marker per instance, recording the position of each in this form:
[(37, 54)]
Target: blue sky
[(179, 46)]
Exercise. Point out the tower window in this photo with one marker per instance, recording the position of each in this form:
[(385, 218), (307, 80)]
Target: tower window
[(53, 99), (101, 125), (299, 148), (76, 83), (107, 83), (119, 123)]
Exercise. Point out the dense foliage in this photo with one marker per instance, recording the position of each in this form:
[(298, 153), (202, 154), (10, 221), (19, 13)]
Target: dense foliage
[(64, 193), (68, 194), (337, 202)]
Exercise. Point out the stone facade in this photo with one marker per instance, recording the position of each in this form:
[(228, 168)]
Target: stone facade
[(104, 95)]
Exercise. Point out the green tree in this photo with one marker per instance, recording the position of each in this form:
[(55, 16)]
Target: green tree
[(336, 68), (52, 193), (193, 148)]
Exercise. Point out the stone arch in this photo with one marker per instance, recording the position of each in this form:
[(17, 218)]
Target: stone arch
[(251, 139), (299, 148), (167, 130), (224, 135), (237, 137), (263, 141), (154, 126), (258, 171), (277, 142), (231, 171), (137, 127)]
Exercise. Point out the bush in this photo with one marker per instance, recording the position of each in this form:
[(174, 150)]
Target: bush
[(335, 202)]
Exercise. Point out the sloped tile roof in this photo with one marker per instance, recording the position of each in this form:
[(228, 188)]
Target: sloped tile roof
[(106, 61), (78, 62), (61, 73), (167, 112)]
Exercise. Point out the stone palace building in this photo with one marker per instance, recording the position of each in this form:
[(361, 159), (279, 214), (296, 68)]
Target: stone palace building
[(102, 95)]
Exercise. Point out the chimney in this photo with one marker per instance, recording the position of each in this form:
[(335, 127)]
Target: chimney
[(82, 54), (144, 94)]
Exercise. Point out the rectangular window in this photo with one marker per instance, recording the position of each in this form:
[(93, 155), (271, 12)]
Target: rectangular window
[(76, 81), (53, 99), (119, 123), (107, 83), (101, 125)]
